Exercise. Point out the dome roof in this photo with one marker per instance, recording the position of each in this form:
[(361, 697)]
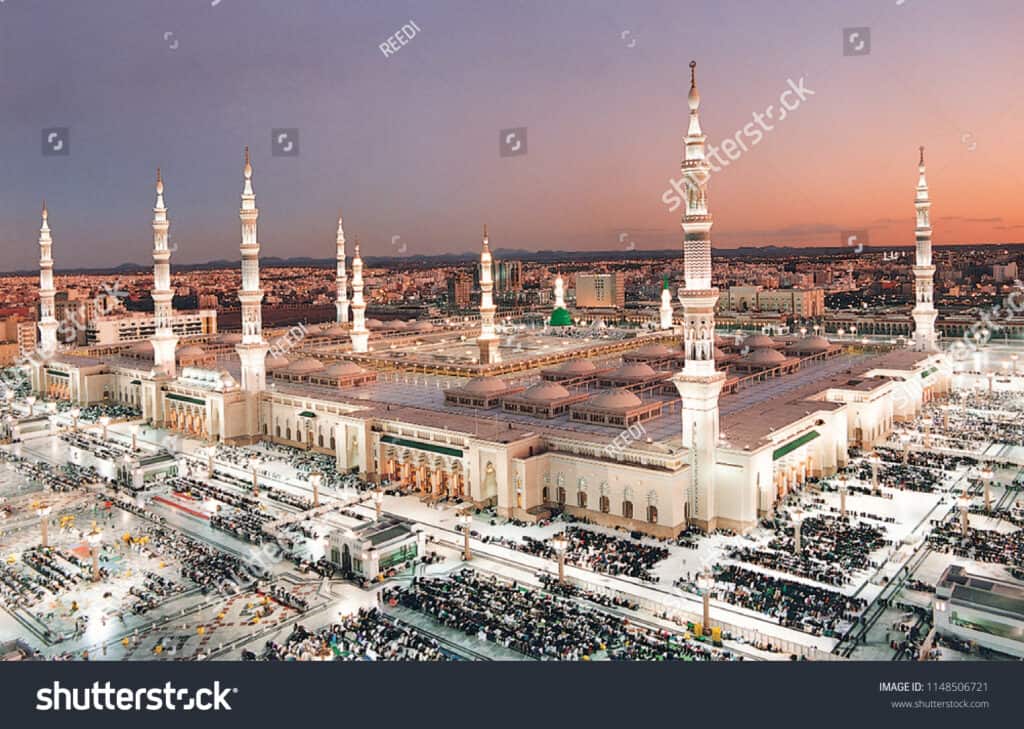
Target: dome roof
[(423, 326), (617, 399), (397, 324), (560, 318), (336, 331), (276, 363), (305, 366), (374, 324), (720, 340), (545, 392), (143, 347), (812, 344), (759, 341), (191, 350), (577, 367), (654, 350), (344, 369), (635, 371), (764, 356), (486, 385), (719, 354)]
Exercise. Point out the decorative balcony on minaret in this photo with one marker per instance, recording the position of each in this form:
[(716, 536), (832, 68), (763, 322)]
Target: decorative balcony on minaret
[(341, 278), (360, 334), (699, 384)]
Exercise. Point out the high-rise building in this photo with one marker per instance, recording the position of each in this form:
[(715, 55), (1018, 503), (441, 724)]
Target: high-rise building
[(460, 286), (600, 291)]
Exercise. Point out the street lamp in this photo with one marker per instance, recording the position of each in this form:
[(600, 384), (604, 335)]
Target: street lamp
[(705, 581), (95, 539), (315, 479), (104, 424), (43, 512), (905, 438), (135, 437), (466, 519), (74, 413), (842, 495), (559, 543), (378, 500), (875, 460), (1013, 364), (255, 482), (31, 402), (964, 504), (986, 475), (797, 515)]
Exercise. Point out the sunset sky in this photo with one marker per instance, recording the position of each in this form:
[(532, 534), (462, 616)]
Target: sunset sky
[(407, 145)]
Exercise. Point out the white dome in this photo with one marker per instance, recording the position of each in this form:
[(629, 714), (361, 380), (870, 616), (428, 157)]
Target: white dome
[(759, 341), (812, 344), (344, 369), (336, 331), (143, 347), (191, 350), (617, 399), (423, 326), (577, 367), (655, 350), (764, 357), (276, 363), (374, 324), (546, 392)]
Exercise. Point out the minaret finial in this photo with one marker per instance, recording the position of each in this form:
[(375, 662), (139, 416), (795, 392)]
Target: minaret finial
[(46, 213), (921, 161), (693, 74), (159, 182), (248, 164)]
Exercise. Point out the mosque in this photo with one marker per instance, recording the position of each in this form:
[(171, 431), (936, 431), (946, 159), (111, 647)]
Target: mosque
[(529, 421)]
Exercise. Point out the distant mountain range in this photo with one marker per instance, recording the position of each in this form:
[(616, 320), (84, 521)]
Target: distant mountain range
[(551, 256)]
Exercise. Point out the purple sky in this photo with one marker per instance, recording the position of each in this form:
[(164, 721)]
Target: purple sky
[(407, 145)]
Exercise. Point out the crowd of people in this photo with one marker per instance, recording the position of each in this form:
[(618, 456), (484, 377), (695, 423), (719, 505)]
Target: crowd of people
[(811, 609), (365, 635), (541, 625), (983, 545)]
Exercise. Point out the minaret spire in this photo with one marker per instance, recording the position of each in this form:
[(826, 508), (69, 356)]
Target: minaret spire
[(48, 324), (341, 278), (699, 384), (253, 349), (488, 339), (360, 334), (924, 312), (164, 340), (666, 305)]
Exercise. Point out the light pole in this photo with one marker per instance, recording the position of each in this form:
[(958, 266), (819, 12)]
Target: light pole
[(797, 515), (31, 402), (986, 475), (74, 413), (209, 465), (315, 479), (559, 543), (135, 437), (875, 460), (255, 482), (705, 581), (104, 424), (905, 438), (378, 500), (964, 502), (95, 539), (466, 519), (43, 512), (842, 495), (1013, 364)]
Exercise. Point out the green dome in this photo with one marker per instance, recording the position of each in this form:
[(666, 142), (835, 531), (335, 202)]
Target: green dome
[(560, 318)]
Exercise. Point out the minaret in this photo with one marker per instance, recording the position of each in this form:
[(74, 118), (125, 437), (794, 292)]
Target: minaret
[(164, 340), (48, 324), (924, 272), (488, 339), (360, 335), (253, 349), (341, 278), (560, 316), (699, 384), (666, 305)]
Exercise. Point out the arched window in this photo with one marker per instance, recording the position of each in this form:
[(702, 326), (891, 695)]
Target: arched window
[(652, 514), (288, 432), (605, 505), (581, 499), (561, 496), (545, 493), (333, 443), (278, 429), (320, 440), (627, 509)]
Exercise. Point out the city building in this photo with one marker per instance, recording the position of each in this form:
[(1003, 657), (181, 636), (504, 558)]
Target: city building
[(600, 291)]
